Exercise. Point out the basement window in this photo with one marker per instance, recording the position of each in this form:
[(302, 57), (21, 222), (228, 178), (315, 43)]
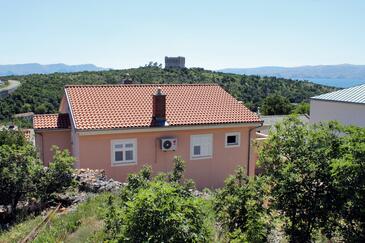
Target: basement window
[(123, 152), (232, 139)]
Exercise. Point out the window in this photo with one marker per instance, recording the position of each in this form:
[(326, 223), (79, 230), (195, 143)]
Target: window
[(232, 139), (124, 151), (201, 146)]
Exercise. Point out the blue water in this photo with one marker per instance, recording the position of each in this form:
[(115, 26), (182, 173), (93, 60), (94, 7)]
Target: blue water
[(336, 82)]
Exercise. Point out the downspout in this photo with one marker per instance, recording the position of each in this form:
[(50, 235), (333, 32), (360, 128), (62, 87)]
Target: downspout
[(249, 146)]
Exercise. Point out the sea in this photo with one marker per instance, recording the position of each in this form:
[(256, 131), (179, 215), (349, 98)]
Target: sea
[(335, 82)]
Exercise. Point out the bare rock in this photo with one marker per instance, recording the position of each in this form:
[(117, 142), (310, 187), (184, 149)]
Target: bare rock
[(95, 181)]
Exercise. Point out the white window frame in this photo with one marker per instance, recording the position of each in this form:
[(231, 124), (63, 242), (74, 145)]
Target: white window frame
[(194, 143), (123, 162), (237, 134)]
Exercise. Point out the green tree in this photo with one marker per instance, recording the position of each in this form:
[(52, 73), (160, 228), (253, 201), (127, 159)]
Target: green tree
[(41, 109), (26, 107), (43, 93), (297, 158), (18, 167), (276, 105), (10, 137), (239, 206), (349, 176), (22, 175), (301, 108)]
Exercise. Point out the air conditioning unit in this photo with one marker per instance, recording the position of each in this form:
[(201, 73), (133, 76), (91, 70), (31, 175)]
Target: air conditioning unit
[(168, 144)]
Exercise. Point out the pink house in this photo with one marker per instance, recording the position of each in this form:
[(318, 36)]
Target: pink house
[(120, 128)]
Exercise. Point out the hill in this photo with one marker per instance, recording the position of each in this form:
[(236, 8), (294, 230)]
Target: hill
[(342, 71), (42, 93), (32, 68)]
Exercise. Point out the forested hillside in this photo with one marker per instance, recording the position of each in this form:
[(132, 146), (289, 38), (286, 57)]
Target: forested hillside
[(41, 93)]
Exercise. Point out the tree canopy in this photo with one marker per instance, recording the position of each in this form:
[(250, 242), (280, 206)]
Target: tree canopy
[(42, 93), (316, 173), (23, 177), (275, 104)]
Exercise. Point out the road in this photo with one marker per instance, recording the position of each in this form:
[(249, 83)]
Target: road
[(13, 85)]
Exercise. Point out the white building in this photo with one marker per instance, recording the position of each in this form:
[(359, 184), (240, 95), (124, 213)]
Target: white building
[(346, 106)]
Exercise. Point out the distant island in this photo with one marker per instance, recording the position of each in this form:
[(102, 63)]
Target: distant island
[(36, 68), (342, 75)]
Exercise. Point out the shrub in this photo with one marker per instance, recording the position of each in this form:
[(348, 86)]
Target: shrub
[(57, 177), (239, 206), (161, 209), (10, 137), (136, 182), (301, 108), (159, 213), (22, 175), (18, 167)]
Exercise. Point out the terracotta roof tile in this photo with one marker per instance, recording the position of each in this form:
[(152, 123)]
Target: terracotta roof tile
[(123, 106), (51, 121)]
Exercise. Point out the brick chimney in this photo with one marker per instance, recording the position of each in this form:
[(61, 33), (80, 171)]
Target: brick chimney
[(159, 108)]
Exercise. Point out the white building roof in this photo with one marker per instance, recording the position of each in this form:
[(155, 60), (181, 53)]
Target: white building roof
[(352, 95)]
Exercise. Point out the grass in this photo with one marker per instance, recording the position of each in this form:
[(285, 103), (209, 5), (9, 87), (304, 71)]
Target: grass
[(85, 221), (87, 231), (84, 224), (19, 231)]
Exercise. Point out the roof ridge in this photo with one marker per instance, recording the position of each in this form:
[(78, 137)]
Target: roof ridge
[(107, 106), (52, 114), (355, 94), (138, 85)]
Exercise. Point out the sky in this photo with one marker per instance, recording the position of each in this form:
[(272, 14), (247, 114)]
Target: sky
[(210, 34)]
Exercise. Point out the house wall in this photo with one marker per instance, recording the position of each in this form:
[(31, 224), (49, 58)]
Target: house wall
[(64, 108), (95, 153), (46, 139), (347, 113)]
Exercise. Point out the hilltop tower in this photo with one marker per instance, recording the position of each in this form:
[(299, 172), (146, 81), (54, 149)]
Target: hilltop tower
[(175, 62)]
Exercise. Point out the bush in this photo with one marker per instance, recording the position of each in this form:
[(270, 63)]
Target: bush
[(160, 213), (136, 182), (18, 167), (12, 138), (239, 206), (301, 108), (22, 175), (161, 209), (57, 177)]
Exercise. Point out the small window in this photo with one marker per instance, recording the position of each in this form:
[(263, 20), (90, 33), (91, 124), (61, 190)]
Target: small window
[(232, 139), (201, 146), (124, 151)]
